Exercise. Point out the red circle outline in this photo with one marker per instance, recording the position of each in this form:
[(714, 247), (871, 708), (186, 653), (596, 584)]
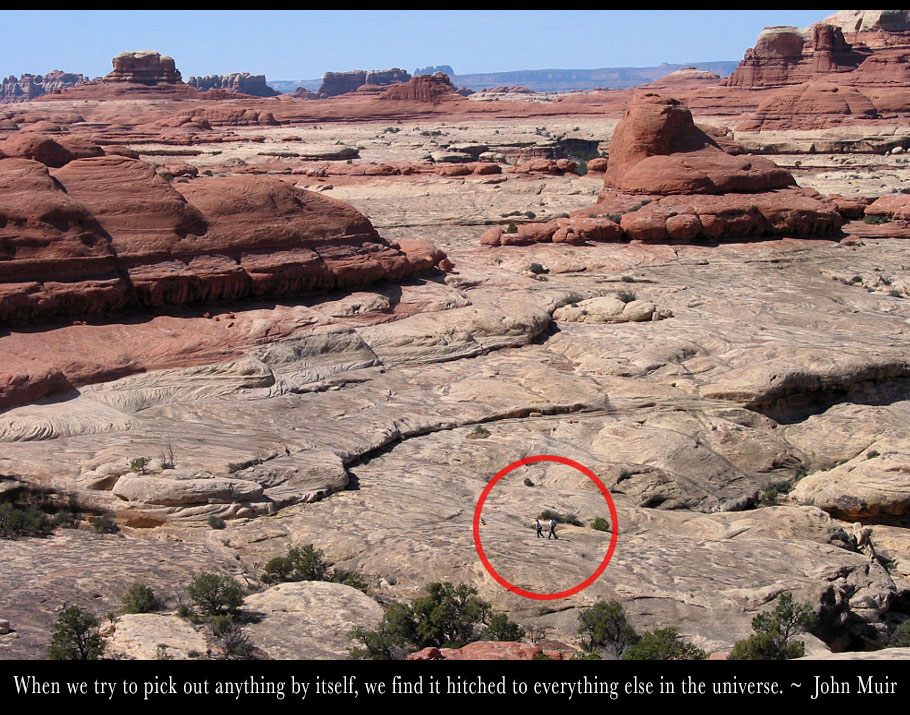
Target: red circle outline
[(531, 594)]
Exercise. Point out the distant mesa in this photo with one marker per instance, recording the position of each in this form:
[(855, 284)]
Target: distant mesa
[(335, 83), (238, 83), (433, 69)]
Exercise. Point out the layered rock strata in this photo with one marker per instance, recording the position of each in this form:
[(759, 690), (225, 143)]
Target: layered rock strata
[(237, 82), (30, 86), (335, 83), (102, 233)]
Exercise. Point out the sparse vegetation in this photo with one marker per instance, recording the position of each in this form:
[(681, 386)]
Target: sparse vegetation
[(600, 524), (774, 632), (548, 514), (663, 644), (480, 432), (216, 522), (872, 453), (308, 563), (604, 627), (528, 482), (876, 219), (501, 628), (215, 595), (76, 636), (626, 296), (511, 228), (140, 599), (447, 617), (537, 269), (627, 279), (140, 464), (15, 522), (900, 638), (104, 524), (231, 637)]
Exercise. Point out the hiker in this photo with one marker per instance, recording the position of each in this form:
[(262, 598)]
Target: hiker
[(552, 529), (539, 529)]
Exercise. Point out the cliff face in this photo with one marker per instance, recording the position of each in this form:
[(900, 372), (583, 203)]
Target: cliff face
[(30, 86), (855, 47), (143, 66), (238, 82)]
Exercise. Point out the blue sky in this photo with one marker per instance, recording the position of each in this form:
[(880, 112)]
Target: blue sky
[(304, 44)]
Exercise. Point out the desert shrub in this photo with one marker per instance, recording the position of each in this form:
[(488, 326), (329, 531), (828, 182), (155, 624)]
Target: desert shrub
[(352, 579), (528, 482), (537, 268), (215, 595), (627, 279), (900, 638), (76, 636), (872, 453), (216, 522), (167, 177), (234, 641), (139, 464), (208, 172), (876, 219), (530, 214), (774, 632), (548, 514), (663, 644), (604, 626), (140, 599), (581, 167), (104, 524), (626, 296), (501, 628), (480, 432), (512, 228), (447, 617), (64, 519), (600, 524), (15, 522)]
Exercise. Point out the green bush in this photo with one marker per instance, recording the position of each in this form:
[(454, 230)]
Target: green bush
[(512, 228), (301, 564), (774, 632), (216, 522), (626, 296), (900, 638), (76, 636), (663, 644), (139, 464), (537, 268), (15, 522), (501, 628), (140, 599), (876, 219), (352, 579), (604, 626), (600, 524), (104, 524), (215, 595), (446, 618), (548, 514)]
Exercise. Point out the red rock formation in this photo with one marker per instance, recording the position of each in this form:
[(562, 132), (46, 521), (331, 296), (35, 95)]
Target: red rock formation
[(30, 86), (658, 149), (144, 66), (423, 88), (335, 83), (236, 83), (854, 47), (107, 232), (810, 105)]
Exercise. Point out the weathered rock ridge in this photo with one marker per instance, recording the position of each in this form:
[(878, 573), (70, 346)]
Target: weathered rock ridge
[(30, 86), (335, 83)]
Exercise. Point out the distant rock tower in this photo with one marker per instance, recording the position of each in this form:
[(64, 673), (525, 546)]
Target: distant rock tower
[(144, 66)]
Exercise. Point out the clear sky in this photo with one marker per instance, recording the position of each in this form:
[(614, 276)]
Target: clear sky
[(304, 44)]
